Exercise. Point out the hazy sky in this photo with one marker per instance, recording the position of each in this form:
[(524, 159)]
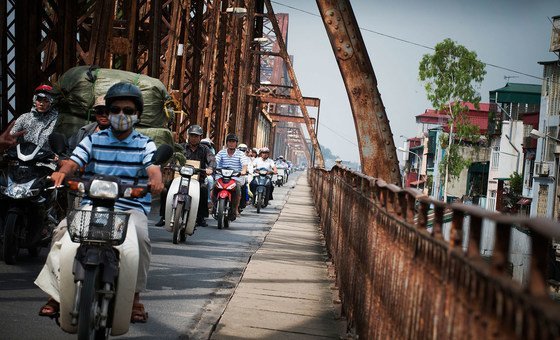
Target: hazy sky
[(513, 34)]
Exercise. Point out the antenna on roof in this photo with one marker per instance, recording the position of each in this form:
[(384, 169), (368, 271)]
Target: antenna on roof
[(507, 78)]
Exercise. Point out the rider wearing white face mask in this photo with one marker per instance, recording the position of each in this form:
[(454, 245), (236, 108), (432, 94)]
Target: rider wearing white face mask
[(118, 151)]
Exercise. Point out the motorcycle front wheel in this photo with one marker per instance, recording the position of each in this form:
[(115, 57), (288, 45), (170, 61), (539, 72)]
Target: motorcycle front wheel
[(258, 202), (10, 246), (89, 307), (221, 213), (177, 222)]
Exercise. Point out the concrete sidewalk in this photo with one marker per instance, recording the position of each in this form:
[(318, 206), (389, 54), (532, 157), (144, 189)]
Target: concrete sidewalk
[(285, 292)]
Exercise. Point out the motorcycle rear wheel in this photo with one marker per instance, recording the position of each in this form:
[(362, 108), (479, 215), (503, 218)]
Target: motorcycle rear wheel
[(89, 307), (177, 222), (10, 246), (221, 213)]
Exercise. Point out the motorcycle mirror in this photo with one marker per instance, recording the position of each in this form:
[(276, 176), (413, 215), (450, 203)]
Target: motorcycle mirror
[(162, 154), (57, 142)]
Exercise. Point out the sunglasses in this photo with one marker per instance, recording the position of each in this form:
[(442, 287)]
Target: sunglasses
[(43, 100), (127, 110), (101, 111)]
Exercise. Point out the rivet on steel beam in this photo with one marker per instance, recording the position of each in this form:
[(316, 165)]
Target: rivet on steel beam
[(329, 22), (337, 18), (331, 13), (340, 40), (338, 49), (348, 45), (335, 27)]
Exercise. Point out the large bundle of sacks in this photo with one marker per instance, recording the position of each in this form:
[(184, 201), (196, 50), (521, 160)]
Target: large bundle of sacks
[(78, 87)]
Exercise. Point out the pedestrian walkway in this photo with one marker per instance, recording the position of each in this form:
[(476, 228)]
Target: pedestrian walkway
[(285, 292)]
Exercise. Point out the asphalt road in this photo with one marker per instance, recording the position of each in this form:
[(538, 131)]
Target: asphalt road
[(189, 284)]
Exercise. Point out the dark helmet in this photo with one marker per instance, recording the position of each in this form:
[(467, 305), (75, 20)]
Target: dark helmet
[(232, 136), (124, 90), (195, 130)]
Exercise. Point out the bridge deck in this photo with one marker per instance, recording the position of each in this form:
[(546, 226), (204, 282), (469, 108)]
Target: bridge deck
[(285, 291)]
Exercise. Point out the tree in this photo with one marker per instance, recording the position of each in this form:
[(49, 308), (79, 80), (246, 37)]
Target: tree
[(450, 75)]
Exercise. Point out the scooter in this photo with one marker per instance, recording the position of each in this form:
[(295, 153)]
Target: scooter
[(281, 177), (260, 196), (182, 199), (226, 186), (99, 258), (29, 210)]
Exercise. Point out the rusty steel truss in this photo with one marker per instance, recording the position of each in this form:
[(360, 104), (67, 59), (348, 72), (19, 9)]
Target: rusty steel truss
[(205, 54)]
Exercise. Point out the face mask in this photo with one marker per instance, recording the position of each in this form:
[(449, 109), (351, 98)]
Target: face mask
[(121, 122)]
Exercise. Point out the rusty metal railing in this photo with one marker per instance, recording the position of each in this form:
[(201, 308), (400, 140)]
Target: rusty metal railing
[(397, 280)]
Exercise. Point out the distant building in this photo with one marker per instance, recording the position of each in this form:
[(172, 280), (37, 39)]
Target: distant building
[(510, 108)]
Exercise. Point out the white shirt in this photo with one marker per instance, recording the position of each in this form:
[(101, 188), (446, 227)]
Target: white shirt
[(260, 163)]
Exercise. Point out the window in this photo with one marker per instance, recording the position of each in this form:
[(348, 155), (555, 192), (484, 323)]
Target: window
[(542, 200), (551, 143), (492, 201)]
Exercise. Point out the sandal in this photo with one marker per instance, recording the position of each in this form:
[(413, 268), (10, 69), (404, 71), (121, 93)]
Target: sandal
[(50, 309), (138, 313)]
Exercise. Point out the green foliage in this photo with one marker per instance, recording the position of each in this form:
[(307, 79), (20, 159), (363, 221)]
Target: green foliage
[(512, 192), (455, 159), (450, 75), (516, 184)]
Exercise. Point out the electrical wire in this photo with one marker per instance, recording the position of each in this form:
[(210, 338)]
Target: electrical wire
[(339, 135), (412, 42)]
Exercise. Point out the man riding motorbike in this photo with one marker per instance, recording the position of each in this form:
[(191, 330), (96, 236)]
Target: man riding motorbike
[(101, 123), (132, 151), (196, 151), (263, 162), (232, 158), (40, 121)]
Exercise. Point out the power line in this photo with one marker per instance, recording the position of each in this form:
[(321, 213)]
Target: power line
[(339, 135), (411, 42)]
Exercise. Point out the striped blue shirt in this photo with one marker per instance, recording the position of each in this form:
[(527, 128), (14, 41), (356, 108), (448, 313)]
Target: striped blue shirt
[(103, 154), (235, 161)]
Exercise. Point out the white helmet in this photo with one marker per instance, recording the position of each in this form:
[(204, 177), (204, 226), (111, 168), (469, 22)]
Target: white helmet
[(207, 141), (242, 147), (264, 149)]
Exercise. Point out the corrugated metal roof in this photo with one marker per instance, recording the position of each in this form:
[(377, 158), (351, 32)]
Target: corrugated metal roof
[(517, 93)]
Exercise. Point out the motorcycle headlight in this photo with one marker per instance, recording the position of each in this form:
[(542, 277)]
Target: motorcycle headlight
[(103, 189), (227, 172), (187, 171), (19, 191)]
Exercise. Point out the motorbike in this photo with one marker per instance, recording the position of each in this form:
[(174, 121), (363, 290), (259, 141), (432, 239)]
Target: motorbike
[(225, 186), (99, 257), (281, 177), (263, 178), (29, 209), (182, 202)]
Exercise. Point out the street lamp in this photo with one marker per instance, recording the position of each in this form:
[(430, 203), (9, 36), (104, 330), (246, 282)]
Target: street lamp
[(419, 164), (536, 134)]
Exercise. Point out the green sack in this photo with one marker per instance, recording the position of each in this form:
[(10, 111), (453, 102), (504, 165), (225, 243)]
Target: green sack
[(78, 87)]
